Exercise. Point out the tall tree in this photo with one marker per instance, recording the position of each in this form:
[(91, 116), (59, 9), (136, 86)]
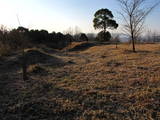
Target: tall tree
[(134, 13), (103, 19)]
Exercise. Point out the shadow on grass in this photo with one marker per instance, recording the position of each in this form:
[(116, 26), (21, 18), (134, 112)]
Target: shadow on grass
[(87, 45), (138, 52), (35, 102), (41, 108), (45, 100), (82, 47)]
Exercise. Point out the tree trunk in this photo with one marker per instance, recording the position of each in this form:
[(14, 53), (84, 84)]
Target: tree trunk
[(104, 31), (133, 44)]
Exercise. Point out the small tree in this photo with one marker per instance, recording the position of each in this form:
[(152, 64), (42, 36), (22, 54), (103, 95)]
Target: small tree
[(134, 14), (103, 19), (23, 37), (116, 40), (76, 32)]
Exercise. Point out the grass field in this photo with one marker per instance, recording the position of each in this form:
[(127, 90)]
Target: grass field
[(99, 83)]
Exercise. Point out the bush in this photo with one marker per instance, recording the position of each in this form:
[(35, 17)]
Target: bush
[(83, 37), (103, 36)]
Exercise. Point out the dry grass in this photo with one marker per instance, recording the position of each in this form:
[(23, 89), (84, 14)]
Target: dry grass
[(104, 83)]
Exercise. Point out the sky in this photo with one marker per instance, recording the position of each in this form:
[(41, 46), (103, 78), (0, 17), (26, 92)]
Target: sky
[(59, 15)]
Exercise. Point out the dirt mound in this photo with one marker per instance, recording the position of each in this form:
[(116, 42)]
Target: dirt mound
[(72, 45), (82, 46), (32, 57), (35, 56), (47, 49)]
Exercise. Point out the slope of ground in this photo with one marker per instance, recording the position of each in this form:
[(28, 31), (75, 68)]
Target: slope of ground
[(99, 83)]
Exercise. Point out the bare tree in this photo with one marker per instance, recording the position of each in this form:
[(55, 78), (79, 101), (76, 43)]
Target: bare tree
[(134, 13), (22, 30), (152, 36), (116, 40), (69, 31), (77, 32), (23, 38)]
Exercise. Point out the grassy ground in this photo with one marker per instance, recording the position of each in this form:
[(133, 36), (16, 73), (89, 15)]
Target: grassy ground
[(99, 83)]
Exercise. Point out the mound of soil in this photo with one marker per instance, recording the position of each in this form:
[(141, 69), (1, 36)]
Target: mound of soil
[(35, 56), (32, 57), (82, 46)]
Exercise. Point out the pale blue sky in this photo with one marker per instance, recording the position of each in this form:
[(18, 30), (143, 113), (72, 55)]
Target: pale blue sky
[(59, 15)]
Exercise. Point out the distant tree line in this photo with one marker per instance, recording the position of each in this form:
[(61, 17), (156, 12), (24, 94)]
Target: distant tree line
[(54, 40), (23, 37)]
